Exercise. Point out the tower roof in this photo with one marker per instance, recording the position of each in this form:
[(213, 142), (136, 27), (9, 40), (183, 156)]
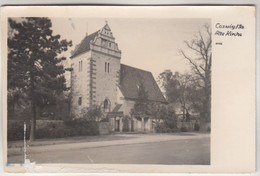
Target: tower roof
[(84, 44)]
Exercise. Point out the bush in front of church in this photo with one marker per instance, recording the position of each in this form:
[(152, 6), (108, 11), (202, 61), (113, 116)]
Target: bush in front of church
[(82, 127), (76, 127)]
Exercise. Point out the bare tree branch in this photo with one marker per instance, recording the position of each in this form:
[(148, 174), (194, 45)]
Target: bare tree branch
[(194, 65), (201, 46)]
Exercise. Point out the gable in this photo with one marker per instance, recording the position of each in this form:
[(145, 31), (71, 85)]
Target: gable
[(131, 77)]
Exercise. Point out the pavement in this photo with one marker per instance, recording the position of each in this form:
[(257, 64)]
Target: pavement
[(41, 146), (173, 152)]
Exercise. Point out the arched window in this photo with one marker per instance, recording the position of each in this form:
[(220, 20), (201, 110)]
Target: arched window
[(107, 105)]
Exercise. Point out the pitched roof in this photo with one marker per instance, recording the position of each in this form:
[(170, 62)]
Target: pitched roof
[(84, 44), (131, 77), (118, 106)]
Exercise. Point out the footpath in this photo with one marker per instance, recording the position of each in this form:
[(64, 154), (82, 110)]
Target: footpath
[(73, 143)]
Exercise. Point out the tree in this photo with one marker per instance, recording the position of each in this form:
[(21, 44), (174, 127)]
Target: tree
[(179, 90), (93, 113), (34, 63), (164, 116), (199, 56), (141, 104), (171, 84)]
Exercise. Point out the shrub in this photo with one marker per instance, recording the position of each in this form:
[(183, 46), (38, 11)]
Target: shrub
[(126, 124), (196, 127), (92, 113), (171, 123), (52, 131), (184, 129), (77, 127), (163, 128), (15, 130), (82, 126)]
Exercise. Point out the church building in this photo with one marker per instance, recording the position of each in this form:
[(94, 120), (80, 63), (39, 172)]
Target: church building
[(99, 78)]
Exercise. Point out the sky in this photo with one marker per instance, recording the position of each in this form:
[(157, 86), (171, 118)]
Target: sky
[(148, 44)]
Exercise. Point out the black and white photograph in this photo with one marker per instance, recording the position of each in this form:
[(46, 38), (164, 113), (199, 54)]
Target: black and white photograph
[(128, 89), (116, 91)]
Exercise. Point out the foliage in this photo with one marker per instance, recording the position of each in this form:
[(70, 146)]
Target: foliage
[(52, 131), (126, 121), (171, 84), (81, 127), (33, 62), (15, 130), (77, 127), (163, 128), (192, 91), (92, 113), (141, 104), (199, 56), (184, 129), (166, 119), (196, 127)]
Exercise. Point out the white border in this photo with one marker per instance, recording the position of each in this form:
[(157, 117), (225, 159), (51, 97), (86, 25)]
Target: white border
[(162, 2)]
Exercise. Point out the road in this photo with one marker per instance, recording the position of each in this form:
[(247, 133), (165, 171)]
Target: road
[(172, 152)]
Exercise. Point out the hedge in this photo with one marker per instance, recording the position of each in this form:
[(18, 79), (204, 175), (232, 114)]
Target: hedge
[(78, 127)]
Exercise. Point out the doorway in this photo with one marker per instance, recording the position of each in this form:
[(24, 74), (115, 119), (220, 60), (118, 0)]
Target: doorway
[(117, 125)]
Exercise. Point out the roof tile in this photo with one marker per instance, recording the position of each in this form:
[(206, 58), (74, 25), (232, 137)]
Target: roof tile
[(84, 44), (131, 77)]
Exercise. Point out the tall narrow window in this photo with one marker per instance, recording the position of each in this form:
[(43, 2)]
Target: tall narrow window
[(107, 105), (80, 66), (108, 67), (105, 67)]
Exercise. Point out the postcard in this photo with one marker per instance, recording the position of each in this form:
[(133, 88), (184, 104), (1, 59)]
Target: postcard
[(128, 89)]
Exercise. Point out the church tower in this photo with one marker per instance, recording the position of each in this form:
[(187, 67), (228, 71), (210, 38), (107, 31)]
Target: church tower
[(95, 73)]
